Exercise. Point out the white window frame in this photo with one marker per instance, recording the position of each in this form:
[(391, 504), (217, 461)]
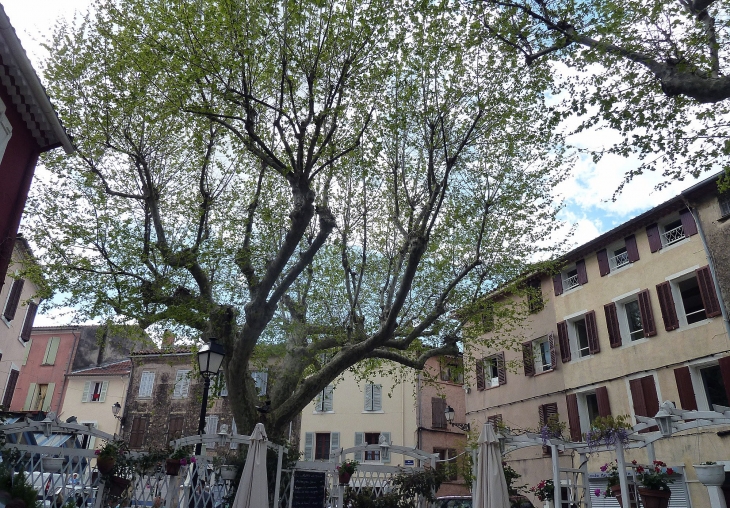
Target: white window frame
[(623, 320), (91, 384), (146, 395), (490, 362), (573, 336), (536, 353), (697, 385), (182, 384), (612, 258), (566, 280), (663, 231), (674, 281), (584, 417)]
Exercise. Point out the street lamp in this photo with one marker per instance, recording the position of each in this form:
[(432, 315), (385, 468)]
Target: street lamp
[(664, 419), (210, 358), (116, 408), (449, 413)]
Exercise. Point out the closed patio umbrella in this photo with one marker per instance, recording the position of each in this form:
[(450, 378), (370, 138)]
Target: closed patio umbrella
[(490, 488), (253, 489)]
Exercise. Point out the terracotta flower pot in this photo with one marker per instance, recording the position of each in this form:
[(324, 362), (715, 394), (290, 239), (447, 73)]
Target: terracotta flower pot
[(172, 466), (345, 478), (651, 498), (616, 491), (118, 485), (105, 464)]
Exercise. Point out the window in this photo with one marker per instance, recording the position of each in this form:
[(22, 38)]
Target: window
[(578, 335), (535, 301), (671, 230), (260, 378), (495, 420), (39, 397), (438, 413), (49, 358), (644, 396), (452, 371), (547, 415), (137, 434), (373, 397), (713, 386), (323, 402), (372, 438), (219, 387), (695, 291), (491, 372), (539, 355), (617, 255), (631, 317), (11, 304), (447, 463), (146, 383), (723, 200), (708, 381), (175, 428), (211, 427), (95, 391), (570, 278), (182, 384), (672, 233), (322, 447)]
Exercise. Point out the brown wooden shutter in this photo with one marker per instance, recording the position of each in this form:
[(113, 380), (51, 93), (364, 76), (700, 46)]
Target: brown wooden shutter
[(10, 389), (553, 355), (501, 369), (725, 372), (686, 391), (528, 358), (13, 299), (573, 416), (558, 284), (655, 241), (438, 413), (647, 316), (707, 291), (614, 331), (632, 250), (603, 266), (637, 397), (666, 303), (545, 411), (175, 428), (604, 405), (28, 324), (651, 399), (580, 267), (592, 331), (564, 341), (688, 223), (480, 374), (136, 437), (496, 420)]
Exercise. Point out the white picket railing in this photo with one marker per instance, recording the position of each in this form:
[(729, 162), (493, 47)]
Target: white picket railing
[(673, 235), (619, 260)]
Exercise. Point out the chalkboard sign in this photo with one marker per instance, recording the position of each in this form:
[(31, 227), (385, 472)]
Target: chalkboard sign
[(308, 489)]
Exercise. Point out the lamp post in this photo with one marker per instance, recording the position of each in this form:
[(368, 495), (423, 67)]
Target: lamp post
[(210, 358), (449, 413), (116, 409)]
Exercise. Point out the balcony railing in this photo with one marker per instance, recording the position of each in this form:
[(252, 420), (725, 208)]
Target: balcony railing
[(619, 261), (570, 282), (673, 235)]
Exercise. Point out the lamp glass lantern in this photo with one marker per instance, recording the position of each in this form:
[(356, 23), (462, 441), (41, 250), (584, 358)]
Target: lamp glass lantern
[(664, 421), (116, 408), (449, 413), (210, 358)]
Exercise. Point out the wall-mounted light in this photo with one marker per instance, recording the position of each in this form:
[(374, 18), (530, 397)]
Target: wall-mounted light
[(449, 413)]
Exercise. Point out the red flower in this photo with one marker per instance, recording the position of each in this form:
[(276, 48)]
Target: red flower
[(633, 462), (639, 469), (670, 470)]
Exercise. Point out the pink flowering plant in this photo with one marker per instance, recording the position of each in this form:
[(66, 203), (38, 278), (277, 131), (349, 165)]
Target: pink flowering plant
[(611, 470), (544, 491), (348, 466), (655, 476), (183, 455)]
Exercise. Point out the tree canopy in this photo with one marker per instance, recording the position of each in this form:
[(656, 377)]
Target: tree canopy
[(327, 180)]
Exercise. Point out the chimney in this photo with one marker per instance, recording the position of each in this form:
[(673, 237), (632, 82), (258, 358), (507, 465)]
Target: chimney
[(168, 339)]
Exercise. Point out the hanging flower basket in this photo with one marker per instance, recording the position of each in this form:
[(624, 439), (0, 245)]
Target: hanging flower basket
[(345, 478), (651, 498), (616, 492), (172, 466), (228, 472), (52, 464), (118, 485), (105, 464), (711, 475)]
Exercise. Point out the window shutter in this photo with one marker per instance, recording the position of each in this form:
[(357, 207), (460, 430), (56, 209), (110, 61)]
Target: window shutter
[(688, 223), (377, 397), (319, 402), (185, 384), (647, 316), (328, 396), (545, 412), (594, 346), (686, 391), (438, 413), (580, 267), (666, 303), (573, 416), (385, 452), (707, 291), (652, 234), (553, 355), (49, 397), (28, 323), (564, 342), (632, 250), (637, 397), (10, 389), (558, 284), (528, 358), (175, 428), (725, 372), (179, 376), (369, 397), (308, 446), (334, 444), (495, 420), (604, 405), (501, 369), (87, 390), (13, 298), (651, 399), (480, 374), (32, 389), (359, 441), (104, 388), (614, 331), (51, 351), (146, 384), (28, 345), (603, 267)]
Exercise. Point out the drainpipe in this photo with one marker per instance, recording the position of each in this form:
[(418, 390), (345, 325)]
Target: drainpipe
[(711, 264), (418, 411)]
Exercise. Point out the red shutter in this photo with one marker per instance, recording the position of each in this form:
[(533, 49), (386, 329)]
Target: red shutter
[(604, 406), (480, 374), (553, 356), (632, 249), (603, 267), (707, 292), (573, 416), (501, 369), (592, 331), (686, 390), (580, 267), (558, 284), (655, 241), (614, 331), (28, 324), (647, 316), (12, 304), (10, 389), (528, 359), (637, 397), (564, 342), (666, 303), (725, 372), (688, 223)]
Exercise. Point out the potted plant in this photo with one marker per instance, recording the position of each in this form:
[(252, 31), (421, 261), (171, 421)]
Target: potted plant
[(52, 464), (544, 491), (228, 472), (710, 474), (655, 479), (178, 458), (614, 485), (106, 456), (608, 430), (346, 470)]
